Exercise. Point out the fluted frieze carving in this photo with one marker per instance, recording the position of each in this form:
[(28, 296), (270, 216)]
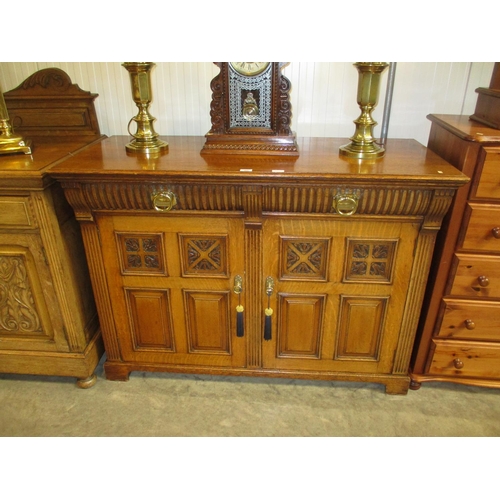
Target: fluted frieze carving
[(275, 198)]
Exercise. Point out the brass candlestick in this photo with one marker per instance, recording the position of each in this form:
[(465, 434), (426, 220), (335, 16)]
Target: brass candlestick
[(10, 142), (363, 144), (145, 139)]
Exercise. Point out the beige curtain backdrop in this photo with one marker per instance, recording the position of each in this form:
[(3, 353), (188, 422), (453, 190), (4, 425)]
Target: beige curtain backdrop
[(323, 94)]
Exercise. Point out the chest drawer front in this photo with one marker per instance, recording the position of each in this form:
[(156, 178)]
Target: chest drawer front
[(466, 359), (489, 182), (15, 212), (483, 229), (471, 319), (476, 276)]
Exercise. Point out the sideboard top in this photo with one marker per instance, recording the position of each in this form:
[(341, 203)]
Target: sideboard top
[(319, 160)]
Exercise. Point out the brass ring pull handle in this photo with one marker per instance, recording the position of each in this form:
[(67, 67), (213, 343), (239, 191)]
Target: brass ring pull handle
[(237, 289), (164, 201), (496, 232), (458, 363), (469, 324), (345, 204), (268, 311), (483, 281)]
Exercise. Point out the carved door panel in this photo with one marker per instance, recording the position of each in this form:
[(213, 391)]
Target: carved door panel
[(339, 292), (29, 318), (171, 284)]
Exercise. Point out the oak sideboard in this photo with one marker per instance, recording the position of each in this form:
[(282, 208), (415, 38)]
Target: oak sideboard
[(310, 267)]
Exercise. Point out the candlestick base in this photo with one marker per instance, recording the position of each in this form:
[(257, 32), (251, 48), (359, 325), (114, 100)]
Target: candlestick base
[(14, 144), (362, 151), (148, 147)]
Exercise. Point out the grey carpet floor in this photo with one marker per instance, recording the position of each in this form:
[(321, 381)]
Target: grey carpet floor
[(168, 405)]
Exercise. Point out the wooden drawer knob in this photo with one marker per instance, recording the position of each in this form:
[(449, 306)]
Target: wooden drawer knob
[(469, 324), (483, 281), (496, 232), (458, 363)]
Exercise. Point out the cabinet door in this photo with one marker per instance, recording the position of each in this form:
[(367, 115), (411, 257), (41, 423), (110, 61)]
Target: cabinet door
[(339, 293), (29, 310), (170, 279)]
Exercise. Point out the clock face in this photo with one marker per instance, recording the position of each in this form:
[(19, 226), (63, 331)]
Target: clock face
[(249, 68)]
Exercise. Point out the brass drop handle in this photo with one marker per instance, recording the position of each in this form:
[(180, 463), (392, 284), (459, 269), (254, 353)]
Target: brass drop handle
[(496, 232), (164, 201), (238, 284), (469, 324), (269, 286), (345, 204), (268, 312), (237, 289), (483, 281), (458, 363)]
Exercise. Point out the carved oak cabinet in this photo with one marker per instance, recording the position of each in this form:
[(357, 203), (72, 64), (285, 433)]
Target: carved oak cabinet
[(48, 317), (310, 267)]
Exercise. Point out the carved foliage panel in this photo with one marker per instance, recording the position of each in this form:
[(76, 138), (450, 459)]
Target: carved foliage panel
[(22, 309), (304, 258), (203, 255)]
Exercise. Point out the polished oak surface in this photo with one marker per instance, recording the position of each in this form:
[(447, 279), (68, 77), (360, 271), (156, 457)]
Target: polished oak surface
[(318, 157), (333, 257)]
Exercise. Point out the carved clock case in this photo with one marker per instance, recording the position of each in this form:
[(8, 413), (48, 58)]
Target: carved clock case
[(250, 111), (312, 267)]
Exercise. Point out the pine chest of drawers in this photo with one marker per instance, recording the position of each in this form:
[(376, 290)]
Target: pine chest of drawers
[(312, 267), (459, 335)]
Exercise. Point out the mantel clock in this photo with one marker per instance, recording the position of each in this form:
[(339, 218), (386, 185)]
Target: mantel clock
[(250, 111)]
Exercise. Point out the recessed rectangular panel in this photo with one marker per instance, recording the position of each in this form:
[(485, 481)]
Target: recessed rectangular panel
[(150, 318), (14, 211), (360, 328), (300, 325), (207, 321)]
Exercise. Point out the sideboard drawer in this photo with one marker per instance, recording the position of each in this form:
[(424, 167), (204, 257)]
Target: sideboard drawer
[(489, 183), (476, 276), (471, 319), (15, 212), (483, 229), (466, 359)]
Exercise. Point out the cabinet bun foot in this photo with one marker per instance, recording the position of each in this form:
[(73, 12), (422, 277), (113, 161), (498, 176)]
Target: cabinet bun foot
[(414, 385), (87, 383)]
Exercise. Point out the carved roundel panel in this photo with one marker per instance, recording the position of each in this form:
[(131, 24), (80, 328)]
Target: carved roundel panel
[(141, 253), (204, 255), (370, 260), (304, 258)]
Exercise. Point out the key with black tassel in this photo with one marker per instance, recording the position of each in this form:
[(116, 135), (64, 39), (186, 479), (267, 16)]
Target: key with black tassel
[(268, 312), (240, 324)]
